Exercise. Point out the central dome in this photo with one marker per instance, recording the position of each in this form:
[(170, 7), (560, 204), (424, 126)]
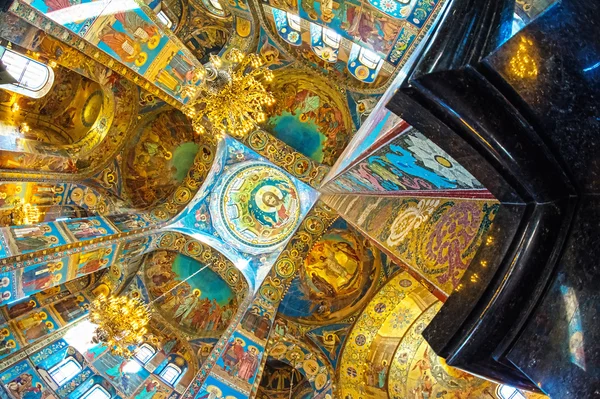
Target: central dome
[(256, 206)]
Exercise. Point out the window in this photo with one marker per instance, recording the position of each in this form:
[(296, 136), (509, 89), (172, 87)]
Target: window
[(215, 7), (170, 373), (216, 4), (28, 73), (369, 58), (506, 392), (294, 21), (96, 392), (331, 38), (164, 19), (144, 353), (65, 370)]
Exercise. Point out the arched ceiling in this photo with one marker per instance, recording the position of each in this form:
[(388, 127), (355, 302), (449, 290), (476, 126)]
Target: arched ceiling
[(256, 206), (199, 303), (159, 157), (385, 355), (336, 278), (279, 379), (63, 116), (310, 115)]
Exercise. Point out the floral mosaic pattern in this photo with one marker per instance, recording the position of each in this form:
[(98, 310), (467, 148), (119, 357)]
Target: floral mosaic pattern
[(436, 237), (416, 370), (409, 162)]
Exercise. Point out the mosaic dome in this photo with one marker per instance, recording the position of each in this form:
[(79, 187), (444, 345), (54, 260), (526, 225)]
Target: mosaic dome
[(256, 206)]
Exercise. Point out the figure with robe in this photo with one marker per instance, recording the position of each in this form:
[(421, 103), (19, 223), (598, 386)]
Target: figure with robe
[(31, 244), (21, 308), (42, 283), (126, 48), (43, 271), (189, 304), (39, 330), (248, 364), (232, 354), (136, 26), (182, 68), (148, 390)]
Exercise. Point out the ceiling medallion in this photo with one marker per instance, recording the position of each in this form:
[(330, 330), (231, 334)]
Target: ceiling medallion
[(230, 100), (256, 207)]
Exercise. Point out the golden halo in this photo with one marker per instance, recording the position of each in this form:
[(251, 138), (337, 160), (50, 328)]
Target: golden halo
[(197, 292), (153, 42), (141, 59), (258, 197), (214, 389)]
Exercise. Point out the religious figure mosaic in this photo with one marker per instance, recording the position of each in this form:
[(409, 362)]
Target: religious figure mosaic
[(256, 206)]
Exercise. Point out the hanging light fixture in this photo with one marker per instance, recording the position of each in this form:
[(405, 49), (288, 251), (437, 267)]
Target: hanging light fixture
[(230, 100), (121, 322), (24, 213)]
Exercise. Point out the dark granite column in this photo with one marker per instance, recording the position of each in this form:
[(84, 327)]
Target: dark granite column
[(524, 119), (551, 72)]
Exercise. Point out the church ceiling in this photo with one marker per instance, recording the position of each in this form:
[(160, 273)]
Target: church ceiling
[(436, 237), (337, 276), (158, 158), (251, 278), (198, 303), (386, 356), (310, 115)]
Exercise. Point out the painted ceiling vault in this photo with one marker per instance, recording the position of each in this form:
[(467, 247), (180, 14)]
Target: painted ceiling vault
[(302, 261)]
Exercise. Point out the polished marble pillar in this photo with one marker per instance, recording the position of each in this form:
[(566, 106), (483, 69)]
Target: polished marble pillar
[(521, 115)]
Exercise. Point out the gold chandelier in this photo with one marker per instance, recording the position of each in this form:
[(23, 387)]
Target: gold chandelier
[(230, 100), (121, 323), (24, 213)]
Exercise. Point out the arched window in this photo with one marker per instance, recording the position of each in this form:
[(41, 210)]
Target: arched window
[(294, 21), (216, 4), (30, 76), (170, 374), (324, 42), (288, 26), (506, 392), (95, 392), (164, 19), (65, 370), (369, 58), (364, 64), (144, 353), (215, 7), (331, 38)]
